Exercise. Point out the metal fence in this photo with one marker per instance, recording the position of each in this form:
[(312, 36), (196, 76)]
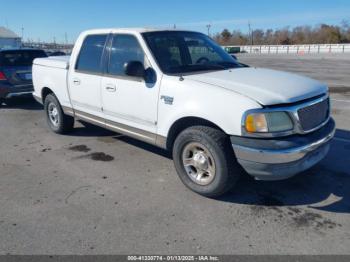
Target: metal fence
[(290, 49)]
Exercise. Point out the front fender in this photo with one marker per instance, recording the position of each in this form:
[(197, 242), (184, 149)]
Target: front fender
[(217, 105)]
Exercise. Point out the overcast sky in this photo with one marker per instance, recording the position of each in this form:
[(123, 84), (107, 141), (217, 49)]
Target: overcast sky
[(45, 20)]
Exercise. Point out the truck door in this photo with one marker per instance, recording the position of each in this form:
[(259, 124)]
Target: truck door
[(129, 103), (85, 77)]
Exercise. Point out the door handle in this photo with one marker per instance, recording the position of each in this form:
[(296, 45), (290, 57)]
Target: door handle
[(111, 88), (76, 81)]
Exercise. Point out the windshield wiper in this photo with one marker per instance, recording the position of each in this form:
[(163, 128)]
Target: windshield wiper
[(233, 64), (196, 67), (211, 67)]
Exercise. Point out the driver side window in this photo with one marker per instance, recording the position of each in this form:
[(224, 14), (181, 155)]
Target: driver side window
[(125, 48)]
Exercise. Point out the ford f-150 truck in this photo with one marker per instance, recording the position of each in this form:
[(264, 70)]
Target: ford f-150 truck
[(181, 91)]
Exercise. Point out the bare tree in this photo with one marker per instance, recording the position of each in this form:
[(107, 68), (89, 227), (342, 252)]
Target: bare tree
[(226, 36), (258, 36), (322, 34), (239, 38)]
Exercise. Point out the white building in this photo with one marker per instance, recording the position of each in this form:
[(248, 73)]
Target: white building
[(9, 39)]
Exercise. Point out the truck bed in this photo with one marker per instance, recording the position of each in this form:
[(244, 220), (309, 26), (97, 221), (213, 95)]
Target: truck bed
[(52, 73), (61, 62)]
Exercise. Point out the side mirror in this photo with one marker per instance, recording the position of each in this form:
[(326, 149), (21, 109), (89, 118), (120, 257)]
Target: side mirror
[(134, 68)]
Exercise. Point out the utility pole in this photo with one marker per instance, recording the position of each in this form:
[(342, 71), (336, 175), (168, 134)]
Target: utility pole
[(208, 27), (174, 26), (22, 29), (251, 34), (66, 37)]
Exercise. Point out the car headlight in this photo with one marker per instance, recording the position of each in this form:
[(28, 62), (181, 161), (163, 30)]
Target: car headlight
[(267, 122)]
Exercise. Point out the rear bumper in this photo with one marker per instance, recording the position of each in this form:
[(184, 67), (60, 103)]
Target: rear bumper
[(281, 158), (10, 91)]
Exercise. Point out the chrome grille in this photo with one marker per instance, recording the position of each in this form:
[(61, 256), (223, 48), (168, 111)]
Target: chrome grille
[(312, 116)]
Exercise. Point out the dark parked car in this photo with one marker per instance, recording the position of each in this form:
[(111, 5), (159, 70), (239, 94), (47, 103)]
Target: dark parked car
[(57, 53), (16, 72)]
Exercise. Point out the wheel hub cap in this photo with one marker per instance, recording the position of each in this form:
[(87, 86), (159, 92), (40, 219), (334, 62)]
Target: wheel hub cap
[(198, 163), (53, 114)]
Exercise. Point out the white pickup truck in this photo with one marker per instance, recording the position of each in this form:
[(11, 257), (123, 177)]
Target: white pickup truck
[(181, 91)]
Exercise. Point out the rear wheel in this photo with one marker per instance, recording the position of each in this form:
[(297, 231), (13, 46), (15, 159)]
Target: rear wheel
[(205, 161), (57, 120)]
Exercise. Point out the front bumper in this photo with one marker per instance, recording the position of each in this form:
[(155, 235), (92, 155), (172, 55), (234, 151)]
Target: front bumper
[(281, 158)]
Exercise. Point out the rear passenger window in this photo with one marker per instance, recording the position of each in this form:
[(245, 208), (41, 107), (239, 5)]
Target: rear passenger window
[(91, 54), (125, 48)]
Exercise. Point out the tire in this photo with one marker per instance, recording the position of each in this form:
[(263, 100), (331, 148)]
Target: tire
[(56, 119), (211, 168)]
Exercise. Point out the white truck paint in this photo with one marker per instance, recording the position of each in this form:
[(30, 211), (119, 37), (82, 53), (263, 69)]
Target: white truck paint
[(219, 98)]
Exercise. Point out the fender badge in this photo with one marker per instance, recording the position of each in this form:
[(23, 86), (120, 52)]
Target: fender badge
[(168, 100)]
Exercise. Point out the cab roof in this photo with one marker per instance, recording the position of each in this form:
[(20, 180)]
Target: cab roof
[(131, 30)]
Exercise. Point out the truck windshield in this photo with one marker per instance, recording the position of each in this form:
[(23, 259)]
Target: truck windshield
[(180, 52)]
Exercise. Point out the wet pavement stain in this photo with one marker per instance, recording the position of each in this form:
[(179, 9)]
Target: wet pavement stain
[(96, 156), (99, 156), (306, 219), (80, 148), (295, 210), (315, 220), (296, 217)]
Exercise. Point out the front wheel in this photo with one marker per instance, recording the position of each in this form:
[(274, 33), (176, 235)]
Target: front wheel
[(205, 161), (56, 119)]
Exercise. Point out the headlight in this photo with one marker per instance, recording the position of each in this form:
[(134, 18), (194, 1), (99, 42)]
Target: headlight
[(268, 122)]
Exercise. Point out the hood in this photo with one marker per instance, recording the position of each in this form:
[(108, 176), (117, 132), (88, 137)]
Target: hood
[(267, 87)]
